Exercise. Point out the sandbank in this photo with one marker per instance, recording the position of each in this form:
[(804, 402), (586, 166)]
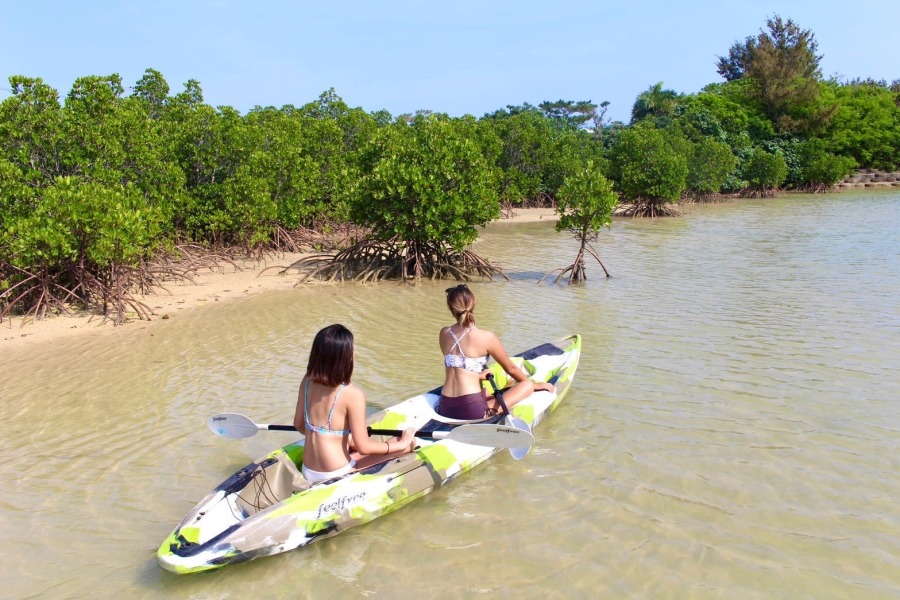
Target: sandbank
[(247, 278)]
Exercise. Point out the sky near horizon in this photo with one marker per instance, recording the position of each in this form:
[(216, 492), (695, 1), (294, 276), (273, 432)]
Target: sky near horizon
[(459, 57)]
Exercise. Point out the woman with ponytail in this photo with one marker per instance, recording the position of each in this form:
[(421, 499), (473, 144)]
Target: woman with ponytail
[(466, 350)]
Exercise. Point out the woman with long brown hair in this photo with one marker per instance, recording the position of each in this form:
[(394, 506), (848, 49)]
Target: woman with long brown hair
[(330, 410)]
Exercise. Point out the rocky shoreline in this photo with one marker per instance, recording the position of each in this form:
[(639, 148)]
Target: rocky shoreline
[(870, 178)]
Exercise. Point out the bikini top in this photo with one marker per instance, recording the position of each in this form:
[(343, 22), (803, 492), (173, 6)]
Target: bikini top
[(326, 430), (461, 361)]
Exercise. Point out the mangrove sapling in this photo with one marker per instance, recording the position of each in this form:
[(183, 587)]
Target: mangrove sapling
[(586, 203)]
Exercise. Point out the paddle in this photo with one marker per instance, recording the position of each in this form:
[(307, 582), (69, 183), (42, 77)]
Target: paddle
[(496, 435), (517, 452)]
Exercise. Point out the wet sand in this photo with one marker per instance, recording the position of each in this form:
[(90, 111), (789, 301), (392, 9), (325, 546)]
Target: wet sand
[(251, 278)]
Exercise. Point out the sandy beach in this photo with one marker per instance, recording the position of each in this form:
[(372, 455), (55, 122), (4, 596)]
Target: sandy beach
[(249, 278)]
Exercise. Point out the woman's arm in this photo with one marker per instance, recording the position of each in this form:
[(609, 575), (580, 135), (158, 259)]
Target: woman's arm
[(498, 352), (356, 417)]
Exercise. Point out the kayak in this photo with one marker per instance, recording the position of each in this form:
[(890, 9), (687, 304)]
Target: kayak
[(268, 506)]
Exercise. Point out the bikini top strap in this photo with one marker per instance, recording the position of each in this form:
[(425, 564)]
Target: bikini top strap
[(330, 412), (456, 341), (306, 404), (333, 404)]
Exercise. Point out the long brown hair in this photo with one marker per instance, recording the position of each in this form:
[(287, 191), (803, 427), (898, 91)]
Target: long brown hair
[(331, 357), (461, 302)]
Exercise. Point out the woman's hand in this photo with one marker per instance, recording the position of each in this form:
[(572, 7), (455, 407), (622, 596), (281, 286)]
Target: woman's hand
[(407, 438), (548, 387)]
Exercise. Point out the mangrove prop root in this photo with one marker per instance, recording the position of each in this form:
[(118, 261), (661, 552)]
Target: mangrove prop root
[(643, 208), (704, 198), (577, 272), (374, 260)]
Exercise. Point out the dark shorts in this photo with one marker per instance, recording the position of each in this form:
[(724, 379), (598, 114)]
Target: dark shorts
[(468, 407)]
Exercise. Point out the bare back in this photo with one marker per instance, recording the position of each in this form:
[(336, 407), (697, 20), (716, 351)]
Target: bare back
[(324, 407), (473, 343)]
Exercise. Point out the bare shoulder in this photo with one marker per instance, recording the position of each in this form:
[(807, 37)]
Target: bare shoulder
[(485, 341), (352, 395), (492, 343), (486, 336)]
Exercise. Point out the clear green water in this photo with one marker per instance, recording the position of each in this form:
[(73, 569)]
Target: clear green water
[(733, 430)]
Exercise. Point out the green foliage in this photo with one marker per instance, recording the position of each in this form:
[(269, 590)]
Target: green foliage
[(429, 183), (709, 166), (783, 67), (31, 135), (153, 90), (787, 148), (734, 66), (16, 197), (795, 51), (765, 171), (866, 125), (656, 104), (535, 154), (569, 114), (586, 202), (83, 223), (100, 181), (336, 138), (820, 168), (523, 140), (647, 167)]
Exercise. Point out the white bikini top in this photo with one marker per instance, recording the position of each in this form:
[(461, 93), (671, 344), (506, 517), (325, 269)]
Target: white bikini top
[(461, 361)]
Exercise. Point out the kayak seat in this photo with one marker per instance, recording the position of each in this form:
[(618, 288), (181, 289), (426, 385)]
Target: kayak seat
[(542, 350), (278, 480)]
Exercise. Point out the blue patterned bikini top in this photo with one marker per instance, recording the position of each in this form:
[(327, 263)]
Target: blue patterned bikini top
[(327, 430), (461, 361)]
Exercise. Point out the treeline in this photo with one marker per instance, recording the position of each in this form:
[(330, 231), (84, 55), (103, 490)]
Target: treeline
[(101, 191)]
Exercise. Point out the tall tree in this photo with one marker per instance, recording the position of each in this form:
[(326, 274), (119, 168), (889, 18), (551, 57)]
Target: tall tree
[(784, 67), (570, 114), (654, 102), (31, 135), (153, 90)]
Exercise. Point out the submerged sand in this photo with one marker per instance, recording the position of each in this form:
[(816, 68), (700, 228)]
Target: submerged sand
[(247, 278)]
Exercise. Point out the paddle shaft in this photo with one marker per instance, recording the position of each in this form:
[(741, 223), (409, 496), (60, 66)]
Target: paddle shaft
[(498, 395), (430, 435), (516, 436)]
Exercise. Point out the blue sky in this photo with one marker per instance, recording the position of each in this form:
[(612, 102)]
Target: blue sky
[(458, 57)]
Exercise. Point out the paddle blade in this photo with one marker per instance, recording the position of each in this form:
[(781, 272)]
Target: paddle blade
[(232, 426), (494, 435), (518, 452)]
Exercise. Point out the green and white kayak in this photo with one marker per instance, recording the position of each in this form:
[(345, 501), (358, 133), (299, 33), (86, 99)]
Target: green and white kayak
[(268, 507)]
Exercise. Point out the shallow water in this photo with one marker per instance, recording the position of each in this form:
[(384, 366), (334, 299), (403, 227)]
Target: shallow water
[(733, 429)]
